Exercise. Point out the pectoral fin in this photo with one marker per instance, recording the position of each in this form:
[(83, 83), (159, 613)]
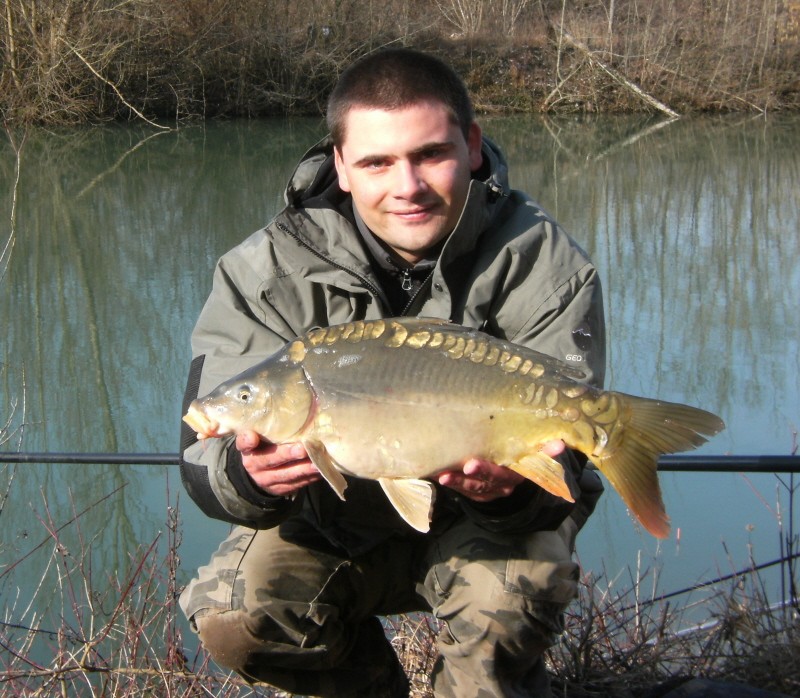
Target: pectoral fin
[(545, 472), (413, 500), (326, 465)]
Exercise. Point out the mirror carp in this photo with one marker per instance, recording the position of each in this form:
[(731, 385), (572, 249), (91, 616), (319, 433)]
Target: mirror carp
[(403, 399)]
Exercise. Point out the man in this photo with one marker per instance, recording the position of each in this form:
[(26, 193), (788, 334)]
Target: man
[(404, 210)]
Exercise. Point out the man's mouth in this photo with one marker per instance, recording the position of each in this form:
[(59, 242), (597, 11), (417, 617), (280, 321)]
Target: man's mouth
[(416, 214)]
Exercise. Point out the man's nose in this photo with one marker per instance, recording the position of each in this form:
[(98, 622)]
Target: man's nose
[(409, 180)]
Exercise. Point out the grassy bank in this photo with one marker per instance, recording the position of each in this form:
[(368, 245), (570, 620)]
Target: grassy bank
[(70, 61)]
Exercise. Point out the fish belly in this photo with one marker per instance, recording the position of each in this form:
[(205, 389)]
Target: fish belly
[(375, 440)]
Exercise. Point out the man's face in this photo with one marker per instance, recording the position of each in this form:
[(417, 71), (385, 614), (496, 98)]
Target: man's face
[(408, 171)]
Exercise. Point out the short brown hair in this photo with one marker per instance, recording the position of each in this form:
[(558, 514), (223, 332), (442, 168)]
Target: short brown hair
[(395, 78)]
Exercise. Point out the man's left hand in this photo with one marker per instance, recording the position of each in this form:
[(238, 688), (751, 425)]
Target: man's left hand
[(483, 481)]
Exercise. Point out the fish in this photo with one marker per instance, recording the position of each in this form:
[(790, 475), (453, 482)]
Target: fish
[(401, 400)]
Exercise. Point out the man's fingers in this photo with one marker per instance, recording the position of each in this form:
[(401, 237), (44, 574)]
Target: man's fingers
[(263, 454), (247, 441), (279, 469), (481, 480), (286, 479)]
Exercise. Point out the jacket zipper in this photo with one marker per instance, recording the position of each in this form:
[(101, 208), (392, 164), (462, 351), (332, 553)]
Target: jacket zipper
[(419, 290)]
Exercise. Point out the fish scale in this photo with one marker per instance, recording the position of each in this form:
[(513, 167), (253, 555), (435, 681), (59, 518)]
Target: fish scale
[(395, 335), (403, 399)]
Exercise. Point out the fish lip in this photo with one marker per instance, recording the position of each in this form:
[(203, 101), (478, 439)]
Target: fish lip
[(197, 420)]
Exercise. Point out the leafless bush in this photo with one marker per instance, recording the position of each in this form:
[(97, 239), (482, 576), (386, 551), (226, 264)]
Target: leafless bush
[(623, 643), (466, 16), (106, 634), (65, 61), (414, 639), (692, 55), (69, 61), (48, 47)]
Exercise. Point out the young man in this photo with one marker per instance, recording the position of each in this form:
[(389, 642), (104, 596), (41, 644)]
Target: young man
[(404, 210)]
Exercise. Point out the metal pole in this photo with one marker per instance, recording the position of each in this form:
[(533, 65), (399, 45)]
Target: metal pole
[(671, 463), (92, 458), (729, 464)]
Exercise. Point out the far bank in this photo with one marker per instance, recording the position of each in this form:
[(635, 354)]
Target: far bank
[(184, 60)]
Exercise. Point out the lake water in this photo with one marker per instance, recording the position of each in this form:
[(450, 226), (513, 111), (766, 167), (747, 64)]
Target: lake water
[(693, 224)]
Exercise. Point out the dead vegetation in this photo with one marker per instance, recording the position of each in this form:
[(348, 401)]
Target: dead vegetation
[(119, 634), (63, 61)]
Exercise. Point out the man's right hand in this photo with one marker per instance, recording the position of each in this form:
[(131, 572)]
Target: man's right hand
[(278, 469)]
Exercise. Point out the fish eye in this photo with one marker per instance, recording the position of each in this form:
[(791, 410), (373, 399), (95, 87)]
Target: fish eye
[(244, 394)]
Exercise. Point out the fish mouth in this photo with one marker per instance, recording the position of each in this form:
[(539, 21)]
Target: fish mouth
[(206, 428)]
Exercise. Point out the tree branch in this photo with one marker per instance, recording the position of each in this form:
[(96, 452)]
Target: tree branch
[(116, 91)]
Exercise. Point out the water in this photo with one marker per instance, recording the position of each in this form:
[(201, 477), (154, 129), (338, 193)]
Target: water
[(693, 225)]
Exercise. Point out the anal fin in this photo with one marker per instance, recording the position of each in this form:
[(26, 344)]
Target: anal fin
[(326, 465), (413, 499), (546, 472)]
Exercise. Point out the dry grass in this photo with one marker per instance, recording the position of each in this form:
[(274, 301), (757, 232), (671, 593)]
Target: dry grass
[(106, 635), (620, 645), (64, 61)]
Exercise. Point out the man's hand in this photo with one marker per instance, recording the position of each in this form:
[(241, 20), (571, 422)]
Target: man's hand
[(482, 481), (279, 469)]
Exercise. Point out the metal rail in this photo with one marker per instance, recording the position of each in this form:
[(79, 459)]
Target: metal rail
[(729, 464), (92, 458), (670, 463)]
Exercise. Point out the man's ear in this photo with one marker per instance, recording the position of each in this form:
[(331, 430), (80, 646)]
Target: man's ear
[(474, 143), (344, 183)]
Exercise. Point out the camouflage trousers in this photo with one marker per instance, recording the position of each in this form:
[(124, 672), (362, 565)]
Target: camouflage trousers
[(282, 607)]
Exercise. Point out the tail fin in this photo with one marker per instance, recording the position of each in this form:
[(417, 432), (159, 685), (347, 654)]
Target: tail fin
[(647, 429)]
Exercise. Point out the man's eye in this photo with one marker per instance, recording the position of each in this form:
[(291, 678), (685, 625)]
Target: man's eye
[(430, 154)]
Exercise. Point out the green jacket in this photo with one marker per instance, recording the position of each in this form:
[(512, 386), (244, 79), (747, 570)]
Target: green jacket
[(507, 269)]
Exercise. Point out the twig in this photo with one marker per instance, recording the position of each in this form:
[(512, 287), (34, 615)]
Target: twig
[(550, 97), (6, 432), (116, 90), (616, 75), (60, 528), (717, 580)]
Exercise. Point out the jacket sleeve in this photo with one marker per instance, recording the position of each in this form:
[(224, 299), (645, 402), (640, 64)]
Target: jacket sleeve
[(569, 325), (231, 335)]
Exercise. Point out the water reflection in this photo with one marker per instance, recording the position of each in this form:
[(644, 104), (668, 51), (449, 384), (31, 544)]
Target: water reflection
[(116, 234), (693, 225)]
